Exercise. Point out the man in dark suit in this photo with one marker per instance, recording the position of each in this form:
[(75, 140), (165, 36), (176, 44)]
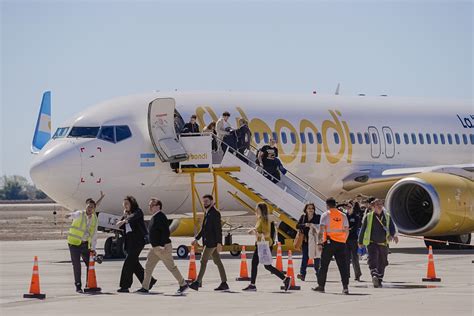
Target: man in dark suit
[(162, 249), (244, 137), (211, 233), (191, 126)]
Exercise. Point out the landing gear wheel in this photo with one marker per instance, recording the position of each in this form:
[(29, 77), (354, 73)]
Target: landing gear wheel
[(235, 253), (435, 244), (115, 248), (182, 251)]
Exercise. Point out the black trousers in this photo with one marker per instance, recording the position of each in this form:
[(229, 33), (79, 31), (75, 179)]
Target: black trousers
[(378, 259), (338, 250), (76, 253), (353, 257), (255, 262), (132, 265)]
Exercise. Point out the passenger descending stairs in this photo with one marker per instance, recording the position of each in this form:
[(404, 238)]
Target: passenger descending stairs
[(287, 198)]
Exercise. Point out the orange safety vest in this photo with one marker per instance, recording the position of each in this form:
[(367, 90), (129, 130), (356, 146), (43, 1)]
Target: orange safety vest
[(335, 231)]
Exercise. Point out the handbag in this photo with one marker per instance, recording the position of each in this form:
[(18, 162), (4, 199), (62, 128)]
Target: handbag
[(298, 241), (264, 253)]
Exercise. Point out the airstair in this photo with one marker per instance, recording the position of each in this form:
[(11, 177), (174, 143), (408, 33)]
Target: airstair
[(286, 198), (192, 154)]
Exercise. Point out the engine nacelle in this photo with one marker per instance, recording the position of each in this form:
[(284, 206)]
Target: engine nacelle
[(432, 204)]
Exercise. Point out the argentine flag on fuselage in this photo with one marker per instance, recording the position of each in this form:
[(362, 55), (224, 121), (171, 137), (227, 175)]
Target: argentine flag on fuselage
[(43, 124)]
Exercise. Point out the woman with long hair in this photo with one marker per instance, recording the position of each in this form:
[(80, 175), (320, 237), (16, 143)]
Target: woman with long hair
[(211, 128), (263, 228), (133, 226), (305, 224)]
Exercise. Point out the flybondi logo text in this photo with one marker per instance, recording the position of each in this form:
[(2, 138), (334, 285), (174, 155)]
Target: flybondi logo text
[(198, 156)]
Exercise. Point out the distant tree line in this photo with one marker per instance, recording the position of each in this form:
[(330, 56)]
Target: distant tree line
[(18, 188)]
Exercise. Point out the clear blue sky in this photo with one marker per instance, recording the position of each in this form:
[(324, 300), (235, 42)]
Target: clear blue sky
[(88, 51)]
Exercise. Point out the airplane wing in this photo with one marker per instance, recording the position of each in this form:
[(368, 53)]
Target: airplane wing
[(381, 179)]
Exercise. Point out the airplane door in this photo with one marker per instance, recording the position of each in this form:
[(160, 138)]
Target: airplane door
[(375, 146), (162, 131), (389, 142)]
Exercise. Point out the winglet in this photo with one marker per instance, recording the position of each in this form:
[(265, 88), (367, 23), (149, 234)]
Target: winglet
[(337, 89), (43, 124)]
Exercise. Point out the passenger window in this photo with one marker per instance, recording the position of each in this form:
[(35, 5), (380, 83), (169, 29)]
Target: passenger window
[(472, 138), (441, 138), (420, 136), (336, 138), (405, 137), (293, 138), (265, 138), (310, 138), (375, 138), (397, 138), (367, 138), (359, 138), (283, 138), (435, 138), (257, 137), (275, 137), (122, 132), (320, 138), (456, 137), (464, 139), (352, 137), (413, 138), (428, 138), (107, 134), (450, 139), (84, 132), (389, 138), (303, 138)]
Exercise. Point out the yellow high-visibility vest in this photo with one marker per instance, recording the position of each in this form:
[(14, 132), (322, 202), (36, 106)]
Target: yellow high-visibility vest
[(78, 229)]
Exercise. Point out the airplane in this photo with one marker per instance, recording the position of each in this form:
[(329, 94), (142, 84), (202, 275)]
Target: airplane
[(416, 154)]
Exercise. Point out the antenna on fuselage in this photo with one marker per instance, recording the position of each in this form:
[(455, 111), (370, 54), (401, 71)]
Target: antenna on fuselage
[(337, 88)]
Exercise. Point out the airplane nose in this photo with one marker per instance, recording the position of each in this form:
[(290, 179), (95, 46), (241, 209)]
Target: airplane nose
[(56, 171)]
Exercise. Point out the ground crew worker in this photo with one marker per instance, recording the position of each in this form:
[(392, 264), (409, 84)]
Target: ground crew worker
[(377, 230), (333, 234), (211, 233), (352, 248), (82, 238)]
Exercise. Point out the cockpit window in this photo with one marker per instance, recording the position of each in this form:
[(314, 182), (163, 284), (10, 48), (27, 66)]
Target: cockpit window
[(114, 134), (60, 132), (107, 133), (84, 132), (122, 132)]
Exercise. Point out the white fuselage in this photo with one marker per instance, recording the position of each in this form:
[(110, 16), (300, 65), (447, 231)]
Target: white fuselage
[(318, 139)]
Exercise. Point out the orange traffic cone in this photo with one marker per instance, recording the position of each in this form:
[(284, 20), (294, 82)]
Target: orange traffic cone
[(279, 259), (431, 273), (35, 283), (244, 273), (91, 279), (192, 266), (310, 262), (291, 273)]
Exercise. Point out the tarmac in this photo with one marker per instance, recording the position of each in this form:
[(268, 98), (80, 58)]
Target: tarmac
[(403, 293)]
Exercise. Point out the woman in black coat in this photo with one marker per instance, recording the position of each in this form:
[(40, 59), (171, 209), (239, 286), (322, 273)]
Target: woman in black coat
[(309, 217), (133, 226)]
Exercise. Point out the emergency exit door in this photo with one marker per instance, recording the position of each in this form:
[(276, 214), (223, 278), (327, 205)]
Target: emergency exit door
[(389, 142), (375, 146), (162, 131)]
